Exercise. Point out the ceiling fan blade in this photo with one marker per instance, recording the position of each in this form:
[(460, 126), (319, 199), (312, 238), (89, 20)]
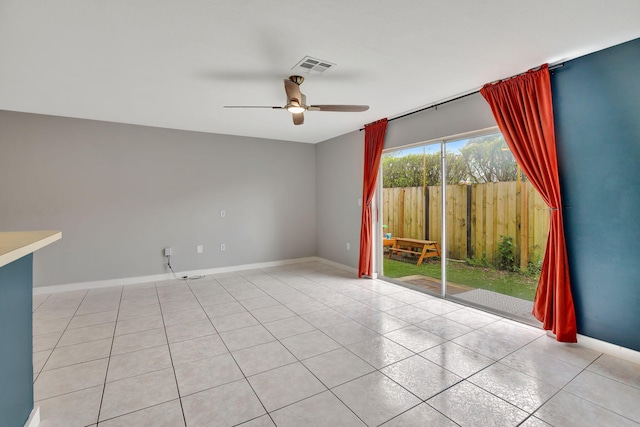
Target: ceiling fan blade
[(298, 118), (253, 106), (343, 108), (293, 91)]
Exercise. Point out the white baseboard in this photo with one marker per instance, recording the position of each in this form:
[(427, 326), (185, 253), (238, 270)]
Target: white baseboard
[(53, 289), (605, 347), (34, 418), (168, 276), (257, 266), (337, 265), (610, 349)]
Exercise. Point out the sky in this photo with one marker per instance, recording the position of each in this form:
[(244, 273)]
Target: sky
[(431, 148)]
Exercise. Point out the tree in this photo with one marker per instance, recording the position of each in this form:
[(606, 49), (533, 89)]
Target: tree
[(407, 171), (457, 170), (488, 159), (483, 159)]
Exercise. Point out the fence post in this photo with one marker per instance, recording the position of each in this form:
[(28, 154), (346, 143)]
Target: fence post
[(469, 245), (401, 214), (524, 225), (426, 213)]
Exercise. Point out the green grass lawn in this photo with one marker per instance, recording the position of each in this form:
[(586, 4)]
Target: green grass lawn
[(507, 283)]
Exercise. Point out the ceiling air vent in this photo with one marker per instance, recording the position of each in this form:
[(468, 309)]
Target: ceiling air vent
[(313, 65)]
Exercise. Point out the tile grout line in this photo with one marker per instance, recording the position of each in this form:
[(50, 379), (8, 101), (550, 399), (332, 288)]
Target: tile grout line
[(300, 361), (301, 288), (497, 361), (173, 367), (585, 369), (58, 340), (33, 309), (604, 376), (156, 370), (330, 389), (234, 359), (446, 340), (106, 373), (529, 413)]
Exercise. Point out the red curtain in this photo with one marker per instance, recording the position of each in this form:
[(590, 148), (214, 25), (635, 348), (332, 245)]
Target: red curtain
[(522, 107), (373, 143)]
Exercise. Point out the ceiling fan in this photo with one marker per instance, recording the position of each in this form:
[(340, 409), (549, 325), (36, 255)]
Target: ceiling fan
[(297, 102)]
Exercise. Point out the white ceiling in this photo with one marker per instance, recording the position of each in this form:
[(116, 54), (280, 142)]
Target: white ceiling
[(175, 63)]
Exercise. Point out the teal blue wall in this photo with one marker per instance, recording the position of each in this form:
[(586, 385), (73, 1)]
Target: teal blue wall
[(16, 366), (597, 117)]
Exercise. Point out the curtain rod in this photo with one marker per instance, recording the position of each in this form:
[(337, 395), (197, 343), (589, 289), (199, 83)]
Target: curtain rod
[(551, 68)]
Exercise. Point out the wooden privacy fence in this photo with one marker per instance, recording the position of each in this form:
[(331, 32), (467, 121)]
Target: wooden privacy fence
[(477, 215)]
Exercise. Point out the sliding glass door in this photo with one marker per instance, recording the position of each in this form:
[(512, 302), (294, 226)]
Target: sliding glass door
[(411, 215), (496, 230), (461, 221)]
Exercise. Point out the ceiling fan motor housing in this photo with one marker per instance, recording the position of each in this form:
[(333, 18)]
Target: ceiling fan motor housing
[(297, 79)]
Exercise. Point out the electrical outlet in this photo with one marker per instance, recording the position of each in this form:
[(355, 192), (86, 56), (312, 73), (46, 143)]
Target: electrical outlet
[(223, 247), (167, 251), (222, 213), (199, 249), (348, 246)]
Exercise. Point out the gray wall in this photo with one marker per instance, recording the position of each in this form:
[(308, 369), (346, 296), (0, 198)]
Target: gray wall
[(121, 193), (469, 114), (340, 160), (339, 166)]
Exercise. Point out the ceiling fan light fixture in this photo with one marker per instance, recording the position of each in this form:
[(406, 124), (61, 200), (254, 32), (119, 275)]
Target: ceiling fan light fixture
[(295, 108)]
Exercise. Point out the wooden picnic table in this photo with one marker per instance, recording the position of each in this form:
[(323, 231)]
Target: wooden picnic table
[(423, 248)]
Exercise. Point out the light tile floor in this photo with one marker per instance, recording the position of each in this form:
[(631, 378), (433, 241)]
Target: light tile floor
[(307, 345)]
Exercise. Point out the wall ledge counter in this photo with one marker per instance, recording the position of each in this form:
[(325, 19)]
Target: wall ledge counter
[(16, 325), (16, 244)]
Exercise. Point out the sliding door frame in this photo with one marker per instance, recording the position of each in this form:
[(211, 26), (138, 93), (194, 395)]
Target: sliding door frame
[(377, 230)]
